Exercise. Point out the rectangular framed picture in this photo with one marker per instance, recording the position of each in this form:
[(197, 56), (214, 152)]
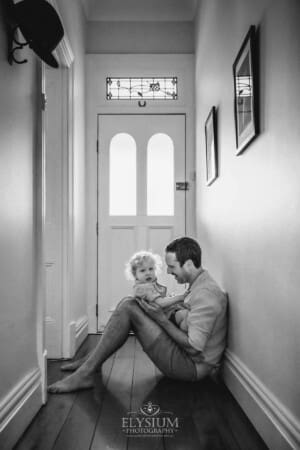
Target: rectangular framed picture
[(245, 93), (211, 147)]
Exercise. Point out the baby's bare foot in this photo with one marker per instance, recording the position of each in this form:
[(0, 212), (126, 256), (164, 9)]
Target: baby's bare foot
[(77, 381)]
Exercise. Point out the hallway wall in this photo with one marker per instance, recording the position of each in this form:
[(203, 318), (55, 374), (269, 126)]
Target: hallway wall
[(248, 220), (18, 225)]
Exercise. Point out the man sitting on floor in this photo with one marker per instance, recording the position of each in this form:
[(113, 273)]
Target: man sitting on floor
[(187, 346)]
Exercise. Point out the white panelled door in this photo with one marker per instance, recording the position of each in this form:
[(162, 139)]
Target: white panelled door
[(141, 158)]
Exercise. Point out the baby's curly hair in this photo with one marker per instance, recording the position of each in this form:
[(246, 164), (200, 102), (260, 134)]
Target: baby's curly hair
[(138, 259)]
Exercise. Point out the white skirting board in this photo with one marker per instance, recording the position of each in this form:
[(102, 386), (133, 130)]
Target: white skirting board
[(19, 407), (82, 329), (78, 331), (278, 427), (44, 380)]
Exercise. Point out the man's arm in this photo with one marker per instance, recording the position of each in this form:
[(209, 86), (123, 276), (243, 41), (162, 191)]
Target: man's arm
[(148, 292), (157, 314), (165, 302)]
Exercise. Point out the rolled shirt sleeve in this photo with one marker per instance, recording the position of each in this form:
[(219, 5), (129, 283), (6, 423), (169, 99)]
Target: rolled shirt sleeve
[(201, 321), (207, 318)]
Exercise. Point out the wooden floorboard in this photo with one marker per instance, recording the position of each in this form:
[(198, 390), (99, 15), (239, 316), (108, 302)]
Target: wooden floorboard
[(43, 431), (145, 379), (84, 414), (212, 431), (208, 416), (232, 418), (116, 402), (49, 422), (179, 398)]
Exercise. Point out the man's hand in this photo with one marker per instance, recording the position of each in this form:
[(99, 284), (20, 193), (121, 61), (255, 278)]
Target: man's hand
[(153, 310), (157, 314)]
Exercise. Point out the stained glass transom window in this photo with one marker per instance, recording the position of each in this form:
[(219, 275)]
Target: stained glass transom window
[(163, 88)]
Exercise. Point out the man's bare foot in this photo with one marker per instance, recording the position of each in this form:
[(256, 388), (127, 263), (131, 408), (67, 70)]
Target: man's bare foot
[(71, 366), (77, 381)]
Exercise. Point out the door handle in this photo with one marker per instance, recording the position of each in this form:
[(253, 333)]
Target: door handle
[(182, 186)]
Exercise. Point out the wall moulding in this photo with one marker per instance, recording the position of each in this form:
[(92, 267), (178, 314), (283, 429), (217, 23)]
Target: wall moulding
[(275, 423), (24, 396)]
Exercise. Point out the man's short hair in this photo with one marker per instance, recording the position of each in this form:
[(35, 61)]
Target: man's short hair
[(185, 248)]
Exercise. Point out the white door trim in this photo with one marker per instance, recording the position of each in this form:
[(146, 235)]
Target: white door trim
[(65, 58)]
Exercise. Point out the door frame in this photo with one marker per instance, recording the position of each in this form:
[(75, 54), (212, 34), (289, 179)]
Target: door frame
[(65, 58), (114, 114)]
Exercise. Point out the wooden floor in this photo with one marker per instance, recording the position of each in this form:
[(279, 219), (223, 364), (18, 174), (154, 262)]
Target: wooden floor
[(204, 414)]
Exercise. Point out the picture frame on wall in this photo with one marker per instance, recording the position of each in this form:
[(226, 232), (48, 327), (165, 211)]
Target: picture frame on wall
[(211, 146), (245, 93)]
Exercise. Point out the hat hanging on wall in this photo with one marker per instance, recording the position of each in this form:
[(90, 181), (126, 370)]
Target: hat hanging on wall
[(41, 27)]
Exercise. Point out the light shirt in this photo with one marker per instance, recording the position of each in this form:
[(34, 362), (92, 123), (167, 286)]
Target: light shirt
[(206, 319)]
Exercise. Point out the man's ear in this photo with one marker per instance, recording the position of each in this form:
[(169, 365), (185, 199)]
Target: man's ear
[(188, 264)]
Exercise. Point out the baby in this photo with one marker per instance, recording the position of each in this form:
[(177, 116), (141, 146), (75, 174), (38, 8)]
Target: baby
[(143, 267)]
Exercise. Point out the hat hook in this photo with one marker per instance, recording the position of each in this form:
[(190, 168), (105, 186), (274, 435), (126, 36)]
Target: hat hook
[(30, 16), (11, 27), (11, 49)]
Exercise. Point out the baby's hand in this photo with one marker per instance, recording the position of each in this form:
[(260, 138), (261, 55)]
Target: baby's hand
[(146, 291)]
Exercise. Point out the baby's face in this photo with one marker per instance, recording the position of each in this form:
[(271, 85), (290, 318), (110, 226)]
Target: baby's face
[(145, 273)]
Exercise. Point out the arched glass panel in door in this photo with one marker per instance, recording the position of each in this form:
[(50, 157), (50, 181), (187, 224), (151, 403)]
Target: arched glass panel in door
[(160, 176), (122, 175)]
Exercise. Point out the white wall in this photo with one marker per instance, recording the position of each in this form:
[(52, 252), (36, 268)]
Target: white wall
[(98, 68), (18, 132), (19, 160), (140, 37), (248, 220)]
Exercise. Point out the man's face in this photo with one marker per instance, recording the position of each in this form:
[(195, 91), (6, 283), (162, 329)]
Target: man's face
[(174, 268)]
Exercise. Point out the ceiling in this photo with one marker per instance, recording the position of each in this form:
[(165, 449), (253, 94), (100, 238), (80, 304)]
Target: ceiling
[(140, 10)]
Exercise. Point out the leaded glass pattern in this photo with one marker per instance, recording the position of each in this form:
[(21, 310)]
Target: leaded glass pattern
[(163, 88)]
